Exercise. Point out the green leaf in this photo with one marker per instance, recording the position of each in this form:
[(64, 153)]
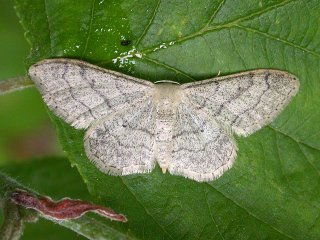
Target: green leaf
[(273, 191)]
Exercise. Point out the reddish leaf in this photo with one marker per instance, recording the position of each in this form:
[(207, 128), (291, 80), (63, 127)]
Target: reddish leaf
[(64, 209)]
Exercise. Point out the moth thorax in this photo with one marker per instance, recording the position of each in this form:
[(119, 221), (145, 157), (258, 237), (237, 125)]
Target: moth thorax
[(167, 96)]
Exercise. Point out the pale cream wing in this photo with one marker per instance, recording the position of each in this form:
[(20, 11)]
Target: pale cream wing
[(244, 102), (80, 93), (123, 143), (201, 149)]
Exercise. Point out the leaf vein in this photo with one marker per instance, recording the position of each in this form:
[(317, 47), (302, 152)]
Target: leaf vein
[(90, 28), (49, 27), (211, 215), (294, 139), (207, 29), (149, 23), (163, 229), (247, 210), (308, 160), (215, 13), (169, 67), (291, 189), (236, 50), (267, 35)]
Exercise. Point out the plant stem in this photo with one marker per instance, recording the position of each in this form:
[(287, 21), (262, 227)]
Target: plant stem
[(15, 84)]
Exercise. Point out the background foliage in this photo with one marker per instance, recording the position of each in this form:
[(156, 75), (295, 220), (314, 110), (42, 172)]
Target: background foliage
[(24, 123), (272, 192)]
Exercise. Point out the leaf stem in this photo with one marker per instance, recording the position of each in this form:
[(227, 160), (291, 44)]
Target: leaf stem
[(15, 84)]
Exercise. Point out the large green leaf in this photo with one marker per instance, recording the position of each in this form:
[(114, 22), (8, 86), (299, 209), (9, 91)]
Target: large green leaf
[(273, 190)]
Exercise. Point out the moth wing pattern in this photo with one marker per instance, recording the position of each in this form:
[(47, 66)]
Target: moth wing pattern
[(121, 114), (80, 93), (243, 102), (123, 142), (202, 150)]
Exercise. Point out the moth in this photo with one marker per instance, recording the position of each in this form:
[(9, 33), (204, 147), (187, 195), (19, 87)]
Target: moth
[(132, 124)]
